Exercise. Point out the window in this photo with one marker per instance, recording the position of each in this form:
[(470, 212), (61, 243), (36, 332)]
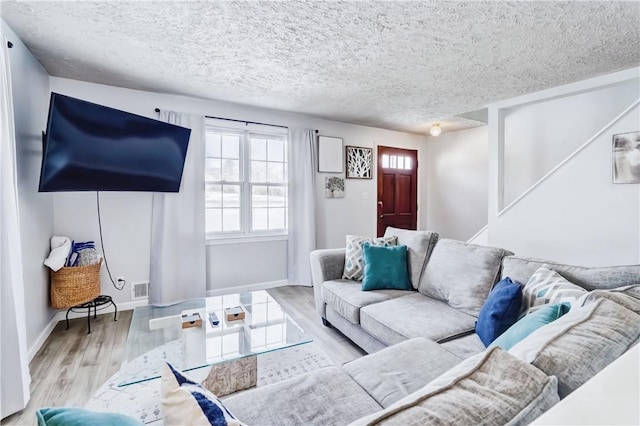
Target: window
[(245, 183), (396, 162)]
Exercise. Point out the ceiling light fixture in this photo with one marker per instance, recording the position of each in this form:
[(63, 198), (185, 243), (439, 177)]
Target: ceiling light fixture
[(435, 130)]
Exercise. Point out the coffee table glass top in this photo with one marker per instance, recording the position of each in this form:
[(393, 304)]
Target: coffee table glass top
[(156, 335)]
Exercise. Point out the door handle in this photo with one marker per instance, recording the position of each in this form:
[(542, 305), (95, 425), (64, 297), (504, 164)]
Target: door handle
[(380, 204)]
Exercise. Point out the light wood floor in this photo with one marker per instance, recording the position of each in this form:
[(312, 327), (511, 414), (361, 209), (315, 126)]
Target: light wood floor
[(72, 365)]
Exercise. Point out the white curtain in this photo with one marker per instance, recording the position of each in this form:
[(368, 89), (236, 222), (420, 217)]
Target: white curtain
[(302, 205), (178, 252), (14, 363)]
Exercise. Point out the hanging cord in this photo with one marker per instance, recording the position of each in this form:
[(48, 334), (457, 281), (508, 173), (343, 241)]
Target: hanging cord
[(104, 253)]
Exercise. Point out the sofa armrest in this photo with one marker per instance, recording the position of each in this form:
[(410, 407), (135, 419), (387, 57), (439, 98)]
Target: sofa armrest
[(326, 265)]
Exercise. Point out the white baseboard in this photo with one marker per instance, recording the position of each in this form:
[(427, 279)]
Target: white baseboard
[(42, 337), (122, 306), (246, 288), (60, 316)]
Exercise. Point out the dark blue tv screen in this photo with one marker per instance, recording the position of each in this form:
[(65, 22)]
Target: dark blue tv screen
[(90, 147)]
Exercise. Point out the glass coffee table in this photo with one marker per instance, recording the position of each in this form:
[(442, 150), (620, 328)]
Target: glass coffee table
[(157, 336)]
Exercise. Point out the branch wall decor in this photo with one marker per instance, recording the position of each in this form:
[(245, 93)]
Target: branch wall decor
[(359, 161)]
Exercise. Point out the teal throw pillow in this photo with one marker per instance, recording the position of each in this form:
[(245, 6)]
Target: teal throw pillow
[(71, 416), (385, 268), (530, 323)]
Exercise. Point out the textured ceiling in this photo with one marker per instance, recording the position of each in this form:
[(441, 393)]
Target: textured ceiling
[(395, 65)]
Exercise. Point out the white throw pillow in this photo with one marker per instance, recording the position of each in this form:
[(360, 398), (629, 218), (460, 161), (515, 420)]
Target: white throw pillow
[(354, 256), (547, 287), (185, 402)]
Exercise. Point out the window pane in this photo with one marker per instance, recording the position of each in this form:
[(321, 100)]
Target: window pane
[(277, 196), (213, 220), (259, 219), (212, 169), (392, 161), (230, 146), (407, 163), (385, 161), (276, 150), (275, 172), (259, 149), (231, 196), (230, 220), (259, 196), (213, 145), (276, 218), (258, 171), (400, 162), (213, 195), (231, 170)]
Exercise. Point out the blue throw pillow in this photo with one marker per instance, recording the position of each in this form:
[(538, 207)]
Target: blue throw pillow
[(385, 268), (70, 416), (530, 323), (500, 310)]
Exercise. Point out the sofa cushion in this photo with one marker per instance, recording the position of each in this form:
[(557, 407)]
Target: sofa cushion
[(461, 274), (419, 244), (521, 268), (628, 296), (354, 257), (547, 287), (385, 268), (530, 323), (491, 388), (415, 315), (399, 370), (465, 346), (500, 311), (346, 297), (327, 396), (581, 343)]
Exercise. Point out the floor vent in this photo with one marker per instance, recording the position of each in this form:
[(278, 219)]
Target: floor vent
[(139, 290)]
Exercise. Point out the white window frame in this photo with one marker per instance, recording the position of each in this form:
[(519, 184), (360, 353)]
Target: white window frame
[(246, 234)]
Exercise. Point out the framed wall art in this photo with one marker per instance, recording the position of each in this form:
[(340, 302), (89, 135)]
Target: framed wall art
[(330, 155), (359, 162), (626, 157)]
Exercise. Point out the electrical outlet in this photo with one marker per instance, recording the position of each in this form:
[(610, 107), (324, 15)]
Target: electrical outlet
[(121, 281)]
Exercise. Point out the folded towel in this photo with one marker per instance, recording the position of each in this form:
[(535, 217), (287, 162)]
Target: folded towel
[(60, 248)]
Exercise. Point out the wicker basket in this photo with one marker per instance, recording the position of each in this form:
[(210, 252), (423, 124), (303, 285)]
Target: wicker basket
[(71, 286)]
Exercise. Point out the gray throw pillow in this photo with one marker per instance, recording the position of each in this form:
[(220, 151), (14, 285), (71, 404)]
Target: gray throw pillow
[(354, 256)]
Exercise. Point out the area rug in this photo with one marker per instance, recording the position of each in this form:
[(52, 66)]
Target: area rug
[(142, 400)]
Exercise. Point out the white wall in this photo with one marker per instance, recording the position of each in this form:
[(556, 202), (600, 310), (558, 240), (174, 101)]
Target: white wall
[(539, 135), (577, 215), (126, 217), (30, 85), (457, 183)]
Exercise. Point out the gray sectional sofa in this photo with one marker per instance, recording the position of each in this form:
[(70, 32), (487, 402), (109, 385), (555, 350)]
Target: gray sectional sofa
[(453, 281), (425, 363)]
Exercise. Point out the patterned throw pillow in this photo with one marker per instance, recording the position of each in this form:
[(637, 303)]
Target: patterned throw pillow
[(185, 402), (354, 256), (547, 287)]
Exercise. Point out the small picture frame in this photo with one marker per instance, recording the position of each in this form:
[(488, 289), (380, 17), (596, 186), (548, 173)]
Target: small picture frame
[(626, 157), (359, 162), (334, 187), (330, 155)]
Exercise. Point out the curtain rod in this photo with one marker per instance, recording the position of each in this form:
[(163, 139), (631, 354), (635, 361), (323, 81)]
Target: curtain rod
[(239, 121)]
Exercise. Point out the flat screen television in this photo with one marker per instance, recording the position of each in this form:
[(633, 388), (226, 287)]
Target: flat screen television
[(90, 147)]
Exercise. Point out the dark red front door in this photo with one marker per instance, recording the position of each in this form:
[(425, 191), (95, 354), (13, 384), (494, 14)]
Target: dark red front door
[(397, 188)]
